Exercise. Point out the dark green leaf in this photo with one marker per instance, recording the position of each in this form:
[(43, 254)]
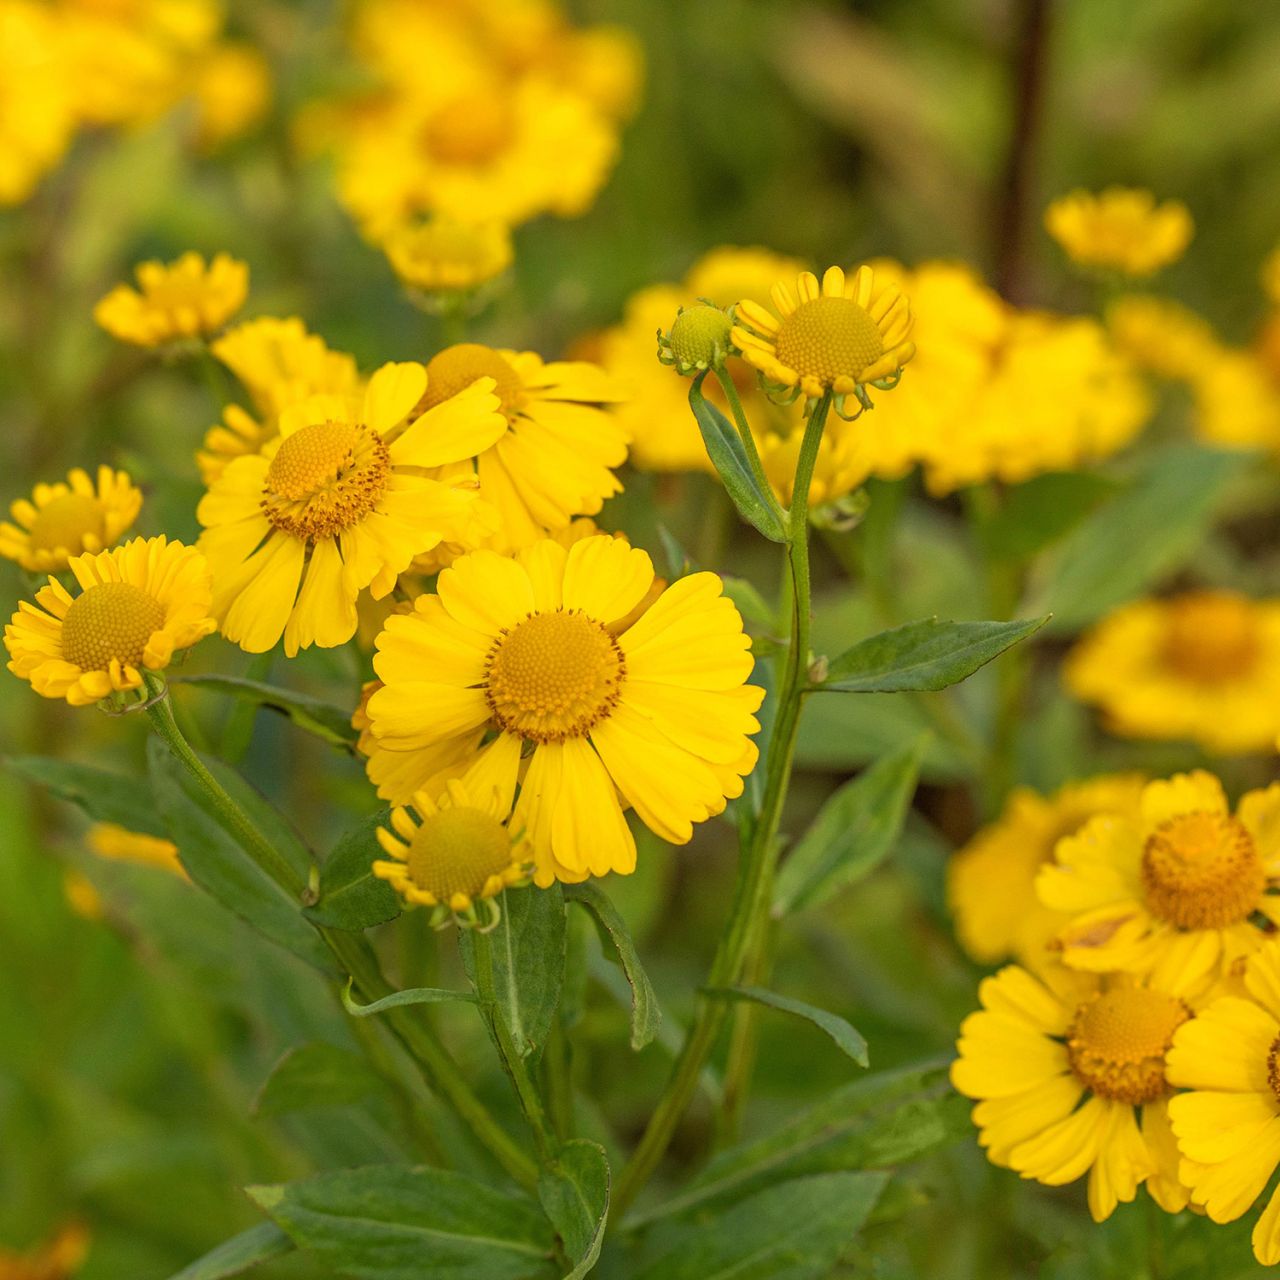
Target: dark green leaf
[(315, 1075), (854, 832), (1041, 511), (646, 1017), (316, 716), (574, 1192), (845, 1035), (414, 995), (678, 562), (923, 655), (351, 896), (231, 1257), (104, 796), (393, 1222), (755, 611), (528, 963), (725, 449), (794, 1231)]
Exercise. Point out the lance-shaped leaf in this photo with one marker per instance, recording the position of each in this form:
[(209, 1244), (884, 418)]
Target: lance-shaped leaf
[(646, 1017), (324, 719), (413, 995), (350, 895), (854, 832), (237, 1255), (103, 795), (315, 1075), (845, 1035), (574, 1190), (725, 449), (922, 655)]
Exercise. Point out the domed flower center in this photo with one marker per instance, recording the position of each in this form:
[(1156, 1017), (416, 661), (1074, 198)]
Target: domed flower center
[(456, 851), (553, 676), (66, 522), (1273, 1068), (1212, 637), (1202, 871), (471, 129), (325, 478), (455, 368), (1117, 1041), (829, 338), (110, 620), (700, 335)]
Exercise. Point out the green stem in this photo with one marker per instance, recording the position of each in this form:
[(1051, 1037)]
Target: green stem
[(744, 430), (759, 856)]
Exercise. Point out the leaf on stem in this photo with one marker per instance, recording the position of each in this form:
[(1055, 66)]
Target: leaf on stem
[(315, 1075), (843, 1033), (324, 719), (574, 1191), (234, 1256), (413, 995), (350, 896), (103, 795)]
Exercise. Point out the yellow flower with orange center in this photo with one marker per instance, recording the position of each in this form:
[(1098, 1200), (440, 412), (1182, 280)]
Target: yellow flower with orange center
[(185, 299), (64, 520), (1122, 229)]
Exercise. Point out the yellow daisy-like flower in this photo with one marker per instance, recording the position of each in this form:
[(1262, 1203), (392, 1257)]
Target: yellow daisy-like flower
[(118, 844), (530, 650), (455, 855), (336, 503), (232, 89), (835, 336), (441, 255), (1204, 666), (1163, 336), (1122, 229), (845, 460), (1228, 1125), (185, 299), (991, 881), (1069, 1073), (1237, 402), (64, 520), (58, 1259), (555, 457), (1181, 889), (137, 606)]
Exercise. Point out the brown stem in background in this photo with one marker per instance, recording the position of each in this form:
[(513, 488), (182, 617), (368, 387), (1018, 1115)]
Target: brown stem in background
[(1009, 220)]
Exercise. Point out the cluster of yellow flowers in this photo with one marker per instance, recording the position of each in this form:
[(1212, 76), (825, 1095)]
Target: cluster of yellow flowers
[(67, 65)]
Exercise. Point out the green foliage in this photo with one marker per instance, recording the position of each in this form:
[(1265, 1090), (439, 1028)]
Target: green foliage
[(350, 895), (315, 1075), (574, 1191), (103, 795), (332, 724), (237, 1255), (846, 1037), (414, 995)]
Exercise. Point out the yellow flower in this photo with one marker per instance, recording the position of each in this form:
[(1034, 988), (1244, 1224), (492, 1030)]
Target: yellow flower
[(65, 520), (336, 503), (835, 336), (455, 855), (1228, 1126), (845, 460), (441, 255), (1237, 402), (185, 299), (232, 88), (1177, 890), (118, 844), (553, 461), (1063, 1066), (1123, 229), (84, 899), (1162, 336), (137, 606), (529, 649), (991, 880), (1204, 665), (58, 1259)]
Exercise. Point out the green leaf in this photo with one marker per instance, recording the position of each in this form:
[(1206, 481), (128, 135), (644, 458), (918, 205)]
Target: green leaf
[(794, 1231), (854, 832), (1042, 510), (414, 995), (315, 1075), (351, 896), (316, 716), (528, 963), (574, 1191), (725, 449), (1140, 535), (845, 1035), (231, 1257), (646, 1017), (925, 655), (394, 1222), (104, 796), (217, 863), (756, 612)]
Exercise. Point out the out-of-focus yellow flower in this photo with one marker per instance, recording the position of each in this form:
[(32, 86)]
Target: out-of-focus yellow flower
[(137, 606), (991, 880), (440, 255), (118, 844), (36, 106), (1162, 336), (67, 519), (1122, 229), (1203, 666), (185, 299), (1270, 276), (844, 462), (232, 88), (84, 899), (1237, 402), (58, 1259)]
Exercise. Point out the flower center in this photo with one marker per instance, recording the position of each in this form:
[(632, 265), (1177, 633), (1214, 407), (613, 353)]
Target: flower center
[(1202, 871), (455, 368), (471, 129), (829, 338), (66, 522), (1273, 1068), (1117, 1041), (1212, 637), (325, 478), (110, 620), (456, 851), (553, 676)]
